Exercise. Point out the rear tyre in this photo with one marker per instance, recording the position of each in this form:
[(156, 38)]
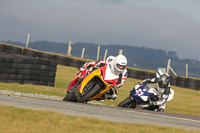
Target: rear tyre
[(70, 96), (127, 103), (89, 91)]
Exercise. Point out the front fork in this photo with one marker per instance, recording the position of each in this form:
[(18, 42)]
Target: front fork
[(134, 102), (76, 92)]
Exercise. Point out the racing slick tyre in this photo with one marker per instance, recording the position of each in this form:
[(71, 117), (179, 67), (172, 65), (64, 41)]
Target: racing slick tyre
[(127, 103), (89, 91), (70, 96)]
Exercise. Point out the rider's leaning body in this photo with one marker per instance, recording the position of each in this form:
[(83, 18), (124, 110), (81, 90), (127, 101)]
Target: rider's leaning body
[(118, 67)]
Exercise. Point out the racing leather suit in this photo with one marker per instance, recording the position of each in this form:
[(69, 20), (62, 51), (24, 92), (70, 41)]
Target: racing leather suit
[(163, 94), (97, 64)]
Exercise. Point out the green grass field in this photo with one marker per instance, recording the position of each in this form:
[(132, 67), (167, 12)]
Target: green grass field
[(18, 120), (186, 101)]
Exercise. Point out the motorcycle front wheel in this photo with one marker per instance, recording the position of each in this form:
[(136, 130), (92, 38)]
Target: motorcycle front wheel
[(127, 103), (89, 91), (70, 96)]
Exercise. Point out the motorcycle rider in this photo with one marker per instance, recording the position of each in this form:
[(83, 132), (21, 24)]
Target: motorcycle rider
[(165, 93), (118, 67)]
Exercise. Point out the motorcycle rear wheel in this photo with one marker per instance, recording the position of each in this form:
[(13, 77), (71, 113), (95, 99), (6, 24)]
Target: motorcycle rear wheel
[(70, 96), (127, 103), (91, 91)]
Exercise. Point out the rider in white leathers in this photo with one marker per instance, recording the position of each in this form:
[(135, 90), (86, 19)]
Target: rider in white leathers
[(118, 67), (165, 93)]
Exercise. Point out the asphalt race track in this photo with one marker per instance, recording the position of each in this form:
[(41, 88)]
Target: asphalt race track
[(105, 113)]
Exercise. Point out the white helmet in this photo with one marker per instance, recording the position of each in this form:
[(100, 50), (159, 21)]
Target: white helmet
[(163, 78), (159, 73), (119, 64)]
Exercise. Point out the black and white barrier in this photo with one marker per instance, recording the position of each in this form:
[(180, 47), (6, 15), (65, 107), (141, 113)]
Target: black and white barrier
[(27, 70), (39, 67)]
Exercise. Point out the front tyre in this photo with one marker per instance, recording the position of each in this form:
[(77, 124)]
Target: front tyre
[(127, 103), (89, 92), (70, 96)]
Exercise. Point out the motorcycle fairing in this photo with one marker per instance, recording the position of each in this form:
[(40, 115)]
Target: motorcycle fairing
[(76, 78), (140, 93), (73, 82), (108, 76), (100, 74)]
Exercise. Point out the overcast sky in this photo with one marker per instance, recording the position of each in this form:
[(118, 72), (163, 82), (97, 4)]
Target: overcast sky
[(161, 24)]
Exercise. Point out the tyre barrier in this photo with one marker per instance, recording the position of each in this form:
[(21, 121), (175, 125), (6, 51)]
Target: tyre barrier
[(35, 59), (75, 63), (146, 75), (173, 80), (3, 48), (133, 73), (62, 60), (192, 83), (180, 81), (27, 70), (14, 50), (43, 55), (30, 52)]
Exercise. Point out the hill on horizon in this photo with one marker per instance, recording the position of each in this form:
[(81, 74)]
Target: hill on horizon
[(138, 57)]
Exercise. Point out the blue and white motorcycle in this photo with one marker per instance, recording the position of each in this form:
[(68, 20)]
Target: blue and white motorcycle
[(140, 96)]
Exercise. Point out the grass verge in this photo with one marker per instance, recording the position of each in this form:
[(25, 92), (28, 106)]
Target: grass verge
[(17, 120)]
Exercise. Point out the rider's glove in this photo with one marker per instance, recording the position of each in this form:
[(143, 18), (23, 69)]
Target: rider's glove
[(139, 83), (90, 70), (96, 66), (81, 69)]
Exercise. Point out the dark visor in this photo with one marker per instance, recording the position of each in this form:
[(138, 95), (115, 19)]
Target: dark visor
[(121, 67)]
